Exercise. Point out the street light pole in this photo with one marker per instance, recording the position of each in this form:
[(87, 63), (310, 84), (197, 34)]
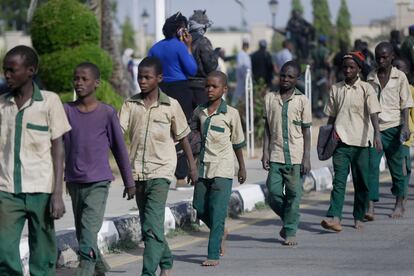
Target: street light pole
[(273, 4), (145, 19)]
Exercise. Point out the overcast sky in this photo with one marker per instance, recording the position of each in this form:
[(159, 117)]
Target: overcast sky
[(225, 13)]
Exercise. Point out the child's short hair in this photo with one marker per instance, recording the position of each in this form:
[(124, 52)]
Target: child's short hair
[(92, 67), (220, 75), (152, 62), (29, 55), (294, 65)]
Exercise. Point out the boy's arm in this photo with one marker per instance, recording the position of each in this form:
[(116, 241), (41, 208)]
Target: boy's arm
[(191, 163), (57, 206), (265, 156), (405, 130), (241, 175), (306, 166), (119, 150), (377, 134)]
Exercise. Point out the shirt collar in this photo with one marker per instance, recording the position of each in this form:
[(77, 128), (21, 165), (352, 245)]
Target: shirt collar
[(162, 98), (37, 95), (221, 109), (355, 84), (373, 77), (296, 92)]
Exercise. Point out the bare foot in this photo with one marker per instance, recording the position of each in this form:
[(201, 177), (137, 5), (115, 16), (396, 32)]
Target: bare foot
[(210, 262), (369, 216), (399, 208), (332, 224), (223, 242), (359, 225), (165, 272), (290, 241)]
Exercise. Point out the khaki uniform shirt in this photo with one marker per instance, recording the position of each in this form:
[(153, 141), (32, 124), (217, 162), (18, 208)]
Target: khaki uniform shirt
[(394, 97), (221, 132), (286, 120), (26, 164), (152, 134), (352, 107)]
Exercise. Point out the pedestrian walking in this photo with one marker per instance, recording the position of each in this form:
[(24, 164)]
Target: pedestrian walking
[(262, 65), (394, 95), (32, 122), (222, 133), (243, 64), (95, 131), (178, 63), (286, 149), (203, 53), (154, 122), (353, 110)]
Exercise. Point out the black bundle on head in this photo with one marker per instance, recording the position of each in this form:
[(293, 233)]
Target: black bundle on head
[(173, 23)]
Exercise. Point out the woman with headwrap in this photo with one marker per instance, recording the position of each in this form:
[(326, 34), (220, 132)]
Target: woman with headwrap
[(178, 64), (203, 52)]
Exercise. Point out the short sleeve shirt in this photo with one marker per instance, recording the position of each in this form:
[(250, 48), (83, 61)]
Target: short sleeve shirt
[(221, 133), (26, 135), (152, 133), (352, 106), (286, 120), (393, 98)]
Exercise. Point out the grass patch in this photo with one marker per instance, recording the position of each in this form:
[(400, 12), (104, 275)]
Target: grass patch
[(123, 245), (261, 206), (185, 229)]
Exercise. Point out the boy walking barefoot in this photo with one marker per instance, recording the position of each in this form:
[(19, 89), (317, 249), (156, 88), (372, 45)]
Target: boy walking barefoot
[(286, 149), (395, 98), (32, 122), (154, 122), (222, 133), (353, 110), (95, 131)]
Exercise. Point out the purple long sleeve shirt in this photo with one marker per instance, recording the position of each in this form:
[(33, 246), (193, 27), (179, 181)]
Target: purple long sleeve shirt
[(87, 146)]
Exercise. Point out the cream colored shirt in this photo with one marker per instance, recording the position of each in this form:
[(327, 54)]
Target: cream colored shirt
[(152, 133), (394, 97), (352, 106), (221, 133), (26, 135), (286, 120)]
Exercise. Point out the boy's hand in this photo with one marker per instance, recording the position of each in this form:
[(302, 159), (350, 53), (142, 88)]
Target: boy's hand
[(241, 175), (192, 175), (130, 192), (57, 206), (305, 166), (405, 133), (377, 142), (265, 162)]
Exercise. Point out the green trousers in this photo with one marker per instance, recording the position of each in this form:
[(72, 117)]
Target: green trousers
[(357, 158), (406, 167), (14, 210), (211, 198), (151, 197), (88, 204), (397, 164), (285, 204)]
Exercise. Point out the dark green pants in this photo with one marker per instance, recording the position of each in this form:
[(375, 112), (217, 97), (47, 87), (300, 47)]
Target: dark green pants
[(397, 164), (211, 198), (14, 210), (358, 159), (151, 197), (88, 204), (406, 167), (285, 205)]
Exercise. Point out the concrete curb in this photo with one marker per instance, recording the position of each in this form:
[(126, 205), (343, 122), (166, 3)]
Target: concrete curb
[(127, 228)]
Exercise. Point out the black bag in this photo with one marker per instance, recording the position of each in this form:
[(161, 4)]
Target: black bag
[(327, 142)]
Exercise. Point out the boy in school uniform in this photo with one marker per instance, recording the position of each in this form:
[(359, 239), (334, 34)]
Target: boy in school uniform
[(353, 110), (286, 149), (32, 123), (95, 131), (394, 95), (222, 133), (154, 122)]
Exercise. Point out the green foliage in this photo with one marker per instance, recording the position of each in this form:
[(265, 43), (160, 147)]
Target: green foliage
[(128, 33), (343, 24), (297, 6), (276, 43), (56, 68), (13, 14), (322, 18), (62, 24), (105, 93)]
